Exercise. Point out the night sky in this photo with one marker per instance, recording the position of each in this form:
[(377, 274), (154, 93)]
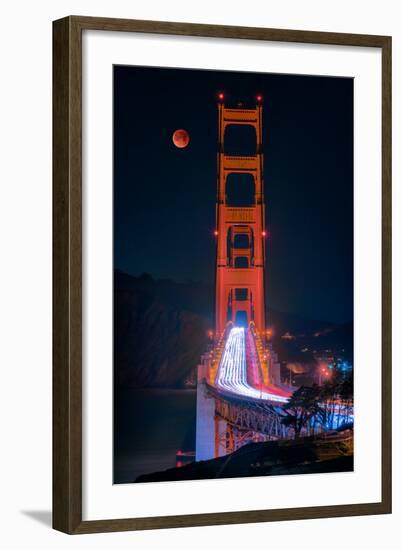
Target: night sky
[(164, 197)]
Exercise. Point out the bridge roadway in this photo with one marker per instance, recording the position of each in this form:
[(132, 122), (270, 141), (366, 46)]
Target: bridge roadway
[(232, 377)]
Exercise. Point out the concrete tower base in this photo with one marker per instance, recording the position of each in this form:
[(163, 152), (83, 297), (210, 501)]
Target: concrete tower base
[(205, 411)]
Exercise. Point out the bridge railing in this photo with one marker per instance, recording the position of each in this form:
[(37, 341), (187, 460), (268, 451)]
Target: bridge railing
[(263, 354), (216, 354)]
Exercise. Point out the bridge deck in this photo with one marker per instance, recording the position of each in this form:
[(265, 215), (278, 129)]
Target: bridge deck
[(239, 370)]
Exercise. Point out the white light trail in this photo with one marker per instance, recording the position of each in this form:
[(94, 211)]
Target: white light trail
[(232, 374)]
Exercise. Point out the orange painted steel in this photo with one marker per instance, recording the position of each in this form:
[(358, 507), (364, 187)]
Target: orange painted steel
[(216, 354), (233, 221)]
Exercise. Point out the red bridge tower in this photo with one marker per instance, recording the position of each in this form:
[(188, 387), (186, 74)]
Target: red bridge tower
[(240, 289)]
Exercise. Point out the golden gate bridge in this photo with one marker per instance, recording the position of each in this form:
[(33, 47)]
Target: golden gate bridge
[(240, 397)]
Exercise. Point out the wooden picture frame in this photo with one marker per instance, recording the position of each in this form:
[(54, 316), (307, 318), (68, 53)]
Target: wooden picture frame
[(67, 274)]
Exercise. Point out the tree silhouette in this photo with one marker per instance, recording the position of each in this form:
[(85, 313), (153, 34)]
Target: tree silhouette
[(336, 399), (302, 407)]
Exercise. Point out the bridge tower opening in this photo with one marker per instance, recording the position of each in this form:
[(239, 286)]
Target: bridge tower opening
[(241, 319), (240, 228)]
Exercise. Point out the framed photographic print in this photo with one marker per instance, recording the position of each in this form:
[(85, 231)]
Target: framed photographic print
[(222, 271)]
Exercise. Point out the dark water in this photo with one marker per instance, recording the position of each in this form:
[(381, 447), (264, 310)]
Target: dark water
[(150, 426)]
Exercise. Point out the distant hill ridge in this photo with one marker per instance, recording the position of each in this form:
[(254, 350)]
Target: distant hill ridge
[(160, 330)]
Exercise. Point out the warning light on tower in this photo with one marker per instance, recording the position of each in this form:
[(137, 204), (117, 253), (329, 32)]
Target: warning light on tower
[(221, 96), (259, 98)]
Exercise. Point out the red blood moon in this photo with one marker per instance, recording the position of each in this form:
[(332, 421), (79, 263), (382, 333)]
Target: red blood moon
[(181, 138)]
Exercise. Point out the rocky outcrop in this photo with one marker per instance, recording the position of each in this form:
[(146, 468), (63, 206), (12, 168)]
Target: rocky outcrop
[(302, 456)]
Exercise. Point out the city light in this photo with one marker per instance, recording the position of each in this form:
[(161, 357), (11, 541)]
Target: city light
[(344, 366)]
